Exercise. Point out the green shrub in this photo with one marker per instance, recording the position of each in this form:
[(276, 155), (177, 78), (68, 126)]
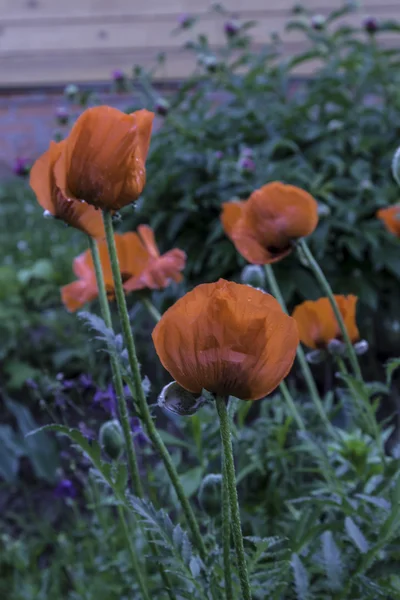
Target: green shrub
[(333, 135)]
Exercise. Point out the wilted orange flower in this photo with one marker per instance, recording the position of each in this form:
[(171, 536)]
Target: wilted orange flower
[(77, 214), (153, 271), (263, 227), (227, 338), (391, 218), (103, 160), (318, 325), (141, 266)]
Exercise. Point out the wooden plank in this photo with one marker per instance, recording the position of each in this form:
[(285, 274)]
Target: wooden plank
[(61, 9), (135, 35)]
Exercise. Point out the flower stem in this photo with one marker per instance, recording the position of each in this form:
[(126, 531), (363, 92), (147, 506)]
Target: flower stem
[(116, 373), (151, 309), (292, 406), (135, 563), (301, 357), (122, 406), (226, 534), (319, 275), (145, 414), (227, 453)]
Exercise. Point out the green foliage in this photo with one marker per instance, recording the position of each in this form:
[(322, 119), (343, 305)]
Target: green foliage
[(333, 135)]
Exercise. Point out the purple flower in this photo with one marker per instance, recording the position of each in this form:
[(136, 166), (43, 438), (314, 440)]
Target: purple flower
[(231, 27), (371, 25), (68, 384), (247, 164), (88, 433), (185, 21), (65, 489), (219, 155), (59, 400), (162, 107), (85, 381), (107, 400), (22, 166), (118, 75), (139, 435), (247, 153), (31, 383)]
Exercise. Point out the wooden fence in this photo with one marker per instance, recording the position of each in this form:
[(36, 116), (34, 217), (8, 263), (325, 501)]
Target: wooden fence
[(60, 41)]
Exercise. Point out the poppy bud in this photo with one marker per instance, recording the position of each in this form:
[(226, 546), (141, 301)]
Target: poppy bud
[(371, 25), (315, 357), (361, 347), (162, 107), (396, 166), (71, 92), (336, 347), (210, 63), (323, 210), (179, 401), (22, 167), (253, 275), (185, 21), (118, 76), (111, 439), (318, 22), (62, 115)]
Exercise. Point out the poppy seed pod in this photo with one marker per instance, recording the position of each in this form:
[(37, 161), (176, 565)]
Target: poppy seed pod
[(396, 166), (111, 439)]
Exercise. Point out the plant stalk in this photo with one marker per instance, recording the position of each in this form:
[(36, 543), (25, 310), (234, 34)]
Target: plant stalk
[(227, 453), (151, 309), (226, 534), (301, 357), (326, 288), (135, 563), (145, 414)]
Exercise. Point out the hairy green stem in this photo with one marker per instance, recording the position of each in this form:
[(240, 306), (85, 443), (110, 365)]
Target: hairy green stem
[(292, 406), (301, 357), (122, 406), (151, 309), (139, 395), (226, 534), (326, 288), (116, 373), (229, 465), (135, 563)]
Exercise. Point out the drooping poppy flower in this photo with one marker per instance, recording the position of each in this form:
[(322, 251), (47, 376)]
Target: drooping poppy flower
[(103, 160), (264, 227), (227, 338), (77, 214), (318, 325), (140, 262), (391, 218), (153, 271)]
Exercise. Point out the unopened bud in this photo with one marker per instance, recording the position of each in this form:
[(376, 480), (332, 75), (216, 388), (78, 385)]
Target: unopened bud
[(316, 357), (62, 115), (253, 275), (111, 439), (179, 401), (71, 91), (232, 27), (210, 63), (336, 347), (318, 22), (162, 107), (361, 347), (371, 25), (323, 210)]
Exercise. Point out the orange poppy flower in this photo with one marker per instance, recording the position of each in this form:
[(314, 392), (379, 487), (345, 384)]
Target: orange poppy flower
[(141, 266), (227, 338), (264, 227), (391, 218), (318, 325), (103, 160), (77, 214), (153, 271)]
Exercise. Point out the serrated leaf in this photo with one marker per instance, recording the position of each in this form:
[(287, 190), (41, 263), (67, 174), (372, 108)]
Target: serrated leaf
[(391, 366), (300, 578), (356, 535), (332, 561)]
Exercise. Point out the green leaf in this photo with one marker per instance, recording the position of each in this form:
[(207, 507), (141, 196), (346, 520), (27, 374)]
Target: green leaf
[(356, 535), (332, 561), (191, 480), (42, 450), (11, 449), (301, 580), (391, 366)]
